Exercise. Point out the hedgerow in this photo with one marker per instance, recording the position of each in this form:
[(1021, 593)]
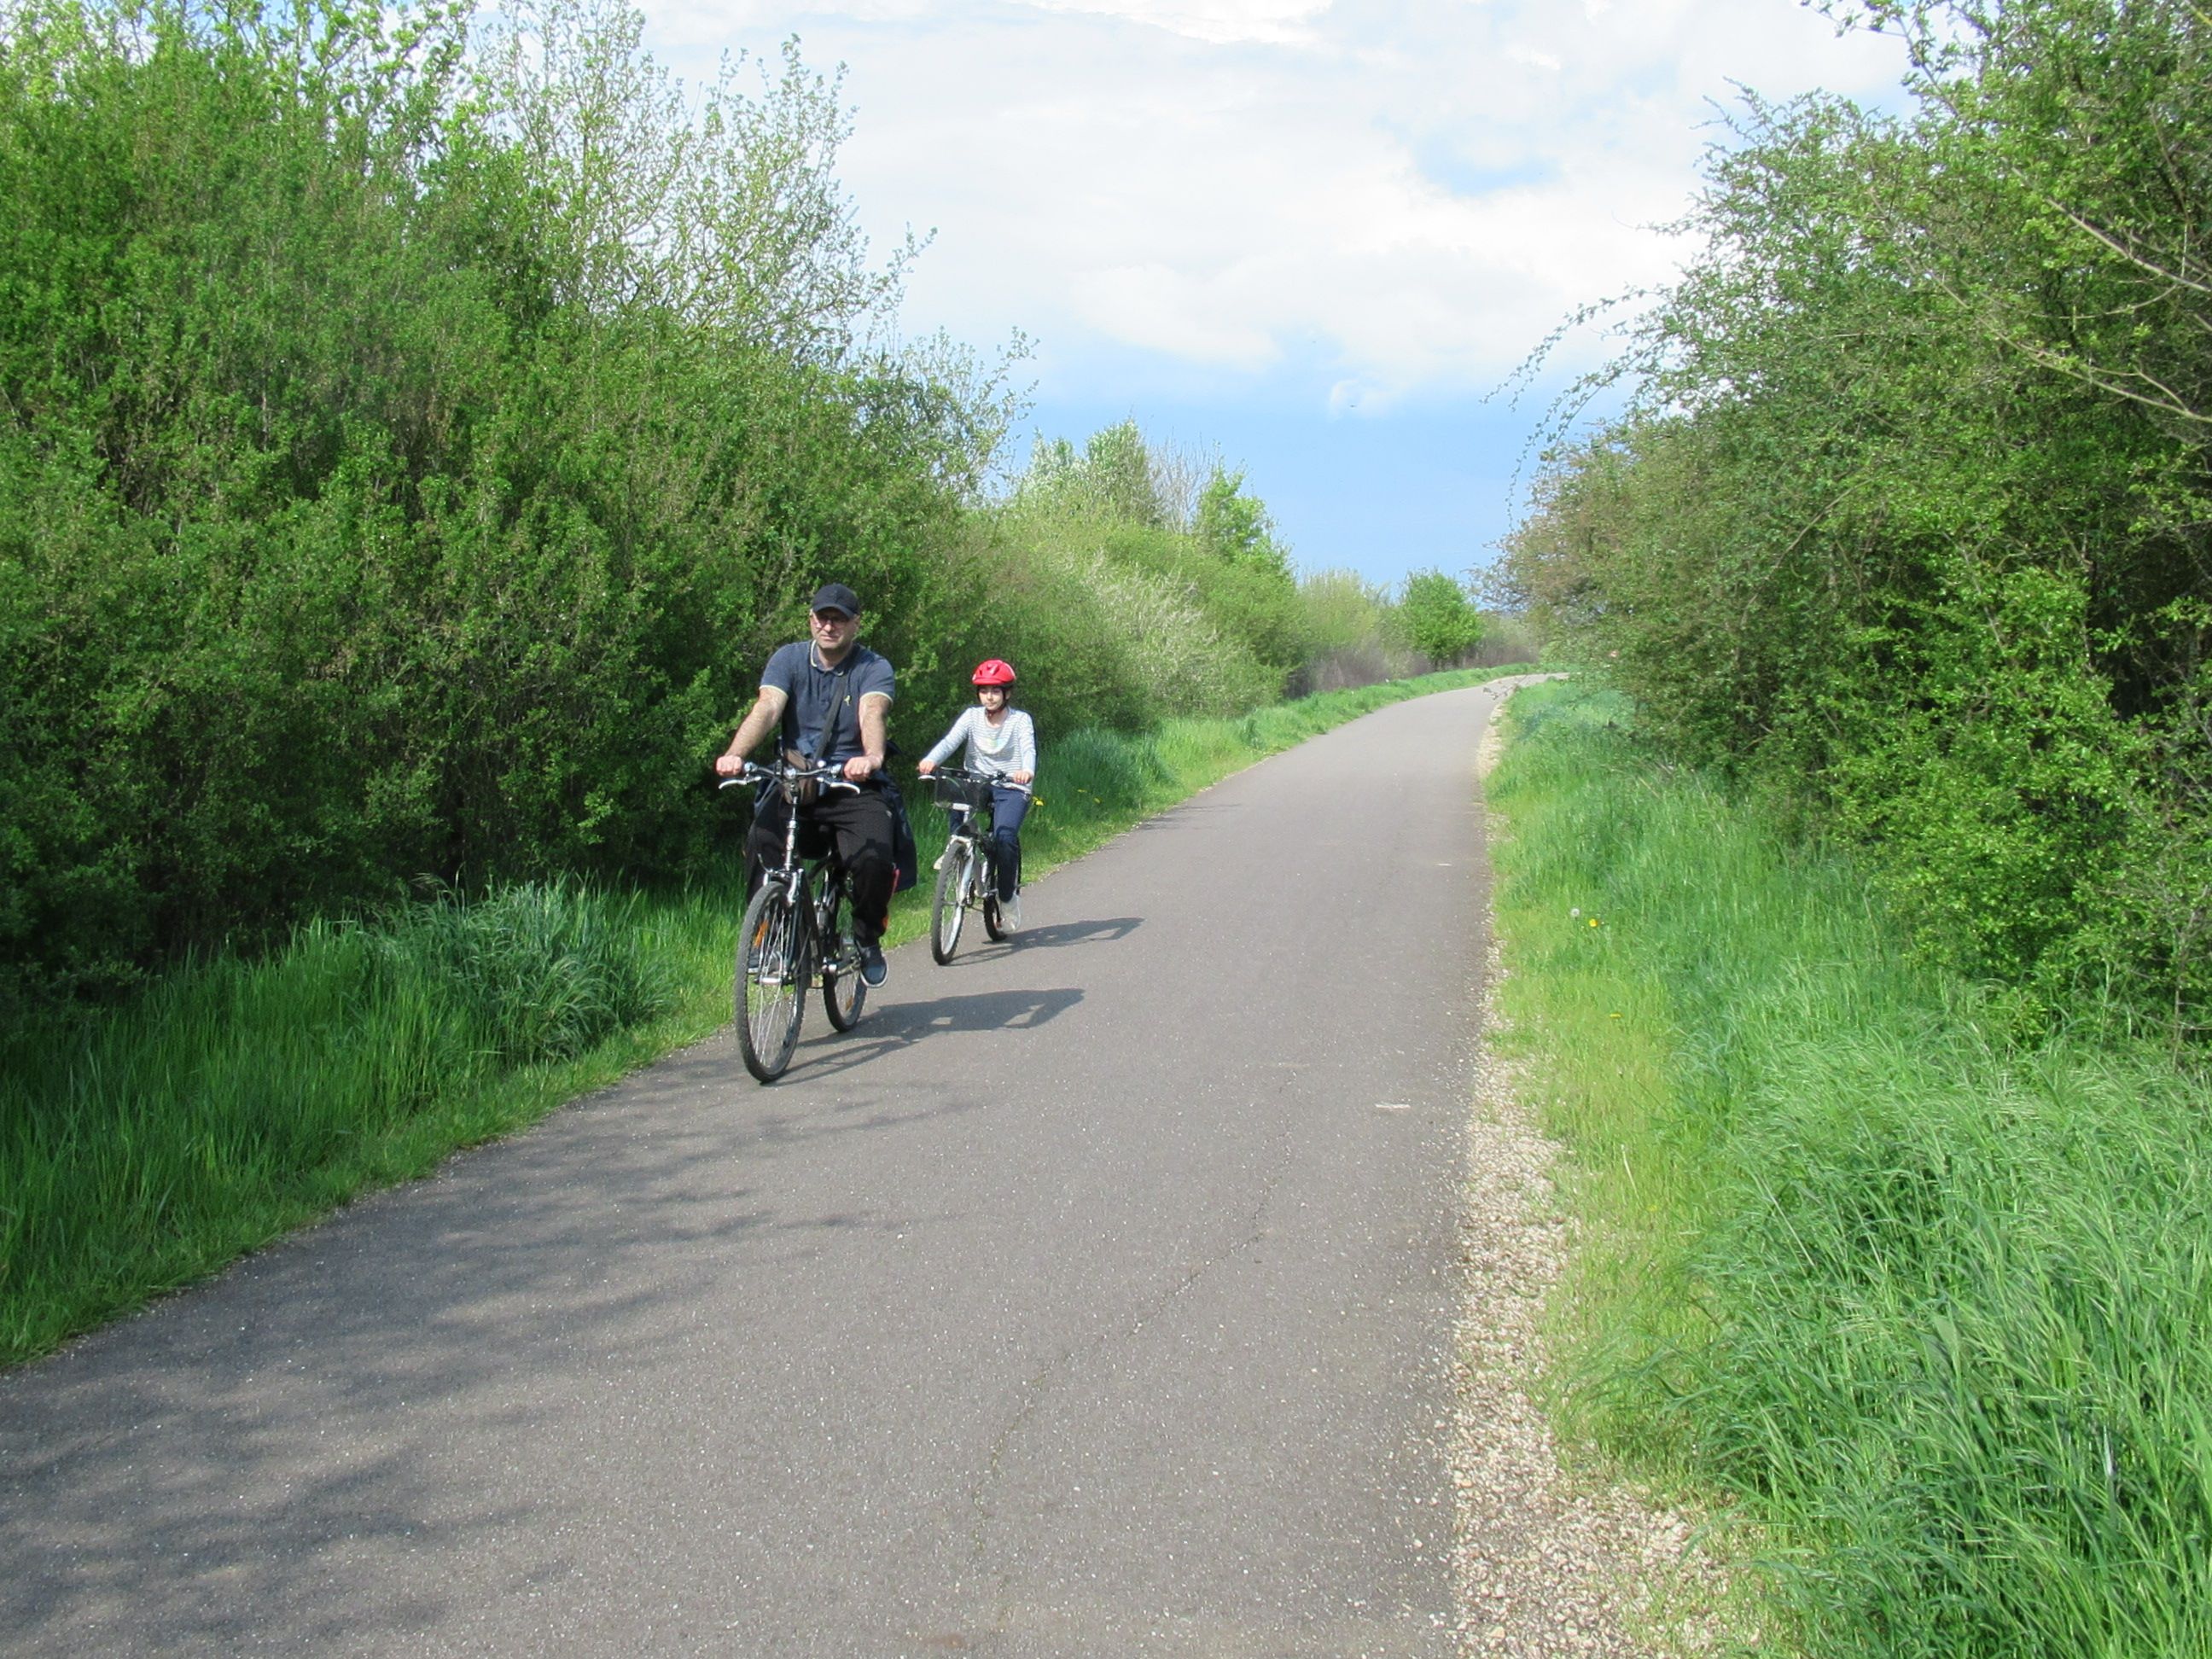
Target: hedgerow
[(1907, 523)]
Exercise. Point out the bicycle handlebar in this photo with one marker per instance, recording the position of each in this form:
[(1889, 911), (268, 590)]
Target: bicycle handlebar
[(966, 774), (827, 773)]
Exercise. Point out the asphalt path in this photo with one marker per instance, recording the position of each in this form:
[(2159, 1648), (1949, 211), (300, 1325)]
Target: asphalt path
[(1095, 1297)]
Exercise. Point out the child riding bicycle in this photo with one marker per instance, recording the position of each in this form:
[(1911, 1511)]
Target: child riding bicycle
[(1001, 745)]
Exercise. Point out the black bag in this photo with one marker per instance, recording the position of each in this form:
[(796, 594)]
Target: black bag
[(906, 858)]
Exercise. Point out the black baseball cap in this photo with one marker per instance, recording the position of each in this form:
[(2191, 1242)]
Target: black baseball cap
[(836, 596)]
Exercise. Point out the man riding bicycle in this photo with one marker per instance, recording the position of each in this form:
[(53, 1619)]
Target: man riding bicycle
[(829, 697)]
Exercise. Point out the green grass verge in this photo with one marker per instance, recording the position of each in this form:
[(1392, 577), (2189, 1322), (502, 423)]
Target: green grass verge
[(1931, 1313), (235, 1100)]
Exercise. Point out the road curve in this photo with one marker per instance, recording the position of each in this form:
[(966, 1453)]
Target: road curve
[(1095, 1297)]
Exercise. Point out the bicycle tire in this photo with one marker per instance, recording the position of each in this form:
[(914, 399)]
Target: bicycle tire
[(994, 924), (844, 992), (949, 907), (774, 968)]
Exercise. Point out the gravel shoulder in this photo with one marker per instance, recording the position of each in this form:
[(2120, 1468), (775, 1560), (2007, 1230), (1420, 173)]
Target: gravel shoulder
[(1546, 1562)]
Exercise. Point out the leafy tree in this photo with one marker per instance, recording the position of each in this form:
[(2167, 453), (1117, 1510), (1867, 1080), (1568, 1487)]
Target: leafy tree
[(1237, 527), (1115, 478), (1438, 618), (1125, 482), (1218, 562)]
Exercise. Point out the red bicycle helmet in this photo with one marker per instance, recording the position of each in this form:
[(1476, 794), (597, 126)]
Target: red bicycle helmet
[(993, 673)]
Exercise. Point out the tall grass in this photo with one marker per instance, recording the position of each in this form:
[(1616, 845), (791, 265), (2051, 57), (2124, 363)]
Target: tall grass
[(238, 1098), (1929, 1309), (145, 1147)]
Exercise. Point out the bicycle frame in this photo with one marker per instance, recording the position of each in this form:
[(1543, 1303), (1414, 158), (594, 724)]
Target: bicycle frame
[(809, 949), (795, 875), (972, 828), (968, 872)]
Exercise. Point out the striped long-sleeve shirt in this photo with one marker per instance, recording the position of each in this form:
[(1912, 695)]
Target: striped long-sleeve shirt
[(993, 750)]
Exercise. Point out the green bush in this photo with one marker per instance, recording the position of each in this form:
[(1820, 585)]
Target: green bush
[(1102, 630), (386, 490), (1907, 526)]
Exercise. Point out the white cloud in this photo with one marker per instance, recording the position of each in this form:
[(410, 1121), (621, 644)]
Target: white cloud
[(1389, 197), (1221, 22), (1199, 319)]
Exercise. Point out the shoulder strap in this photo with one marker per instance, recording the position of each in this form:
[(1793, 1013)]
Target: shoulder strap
[(829, 719)]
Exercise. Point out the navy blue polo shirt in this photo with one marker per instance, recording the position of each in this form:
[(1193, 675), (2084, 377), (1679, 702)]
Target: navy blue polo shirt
[(810, 691)]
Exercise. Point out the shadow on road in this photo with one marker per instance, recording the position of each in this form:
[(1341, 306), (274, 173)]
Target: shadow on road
[(826, 1053), (1051, 934), (980, 1011)]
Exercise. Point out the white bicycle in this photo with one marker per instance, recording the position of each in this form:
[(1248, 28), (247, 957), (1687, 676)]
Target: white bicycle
[(967, 876)]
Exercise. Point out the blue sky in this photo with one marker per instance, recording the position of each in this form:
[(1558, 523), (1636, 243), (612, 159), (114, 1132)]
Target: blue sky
[(1307, 236)]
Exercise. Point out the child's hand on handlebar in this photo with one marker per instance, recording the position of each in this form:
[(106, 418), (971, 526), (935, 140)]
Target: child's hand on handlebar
[(923, 768)]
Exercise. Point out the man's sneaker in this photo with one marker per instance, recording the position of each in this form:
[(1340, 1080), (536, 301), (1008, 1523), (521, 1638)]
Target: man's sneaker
[(874, 970), (1010, 912)]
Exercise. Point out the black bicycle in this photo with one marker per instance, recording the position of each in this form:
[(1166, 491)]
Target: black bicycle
[(798, 928), (967, 876)]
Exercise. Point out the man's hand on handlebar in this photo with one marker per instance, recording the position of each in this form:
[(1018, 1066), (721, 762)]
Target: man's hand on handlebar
[(730, 765), (860, 769)]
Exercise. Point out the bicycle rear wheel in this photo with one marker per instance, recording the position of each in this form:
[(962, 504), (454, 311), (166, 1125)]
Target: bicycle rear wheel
[(843, 990), (774, 967), (949, 908)]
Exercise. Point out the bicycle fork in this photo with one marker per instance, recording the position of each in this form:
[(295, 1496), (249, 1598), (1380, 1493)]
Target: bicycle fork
[(783, 953), (838, 950)]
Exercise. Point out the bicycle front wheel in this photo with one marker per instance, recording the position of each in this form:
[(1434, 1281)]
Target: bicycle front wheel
[(843, 990), (950, 906), (774, 967)]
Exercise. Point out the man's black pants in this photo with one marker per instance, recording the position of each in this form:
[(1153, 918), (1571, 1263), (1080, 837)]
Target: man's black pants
[(860, 825)]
